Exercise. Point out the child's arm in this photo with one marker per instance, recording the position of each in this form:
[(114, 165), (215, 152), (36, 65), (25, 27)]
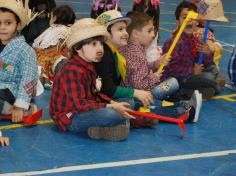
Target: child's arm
[(27, 84), (4, 140), (122, 107)]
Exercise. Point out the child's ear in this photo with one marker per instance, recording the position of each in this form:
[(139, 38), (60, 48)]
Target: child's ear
[(134, 33), (177, 23)]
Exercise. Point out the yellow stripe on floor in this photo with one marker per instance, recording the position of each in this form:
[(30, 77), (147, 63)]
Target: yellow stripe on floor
[(229, 97), (12, 126)]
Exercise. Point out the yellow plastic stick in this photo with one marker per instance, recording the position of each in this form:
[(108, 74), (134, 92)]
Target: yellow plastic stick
[(191, 15)]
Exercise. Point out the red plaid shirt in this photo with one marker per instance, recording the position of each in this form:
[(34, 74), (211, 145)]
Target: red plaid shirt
[(184, 56), (74, 92)]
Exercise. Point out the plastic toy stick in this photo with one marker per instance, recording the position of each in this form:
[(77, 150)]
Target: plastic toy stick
[(179, 121), (191, 15), (204, 40), (28, 119)]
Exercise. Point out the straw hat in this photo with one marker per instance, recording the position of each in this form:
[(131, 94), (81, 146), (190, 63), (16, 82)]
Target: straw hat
[(21, 10), (85, 29), (211, 10), (112, 16)]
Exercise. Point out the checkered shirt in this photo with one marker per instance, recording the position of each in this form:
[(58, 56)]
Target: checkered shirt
[(21, 74), (74, 92), (184, 56)]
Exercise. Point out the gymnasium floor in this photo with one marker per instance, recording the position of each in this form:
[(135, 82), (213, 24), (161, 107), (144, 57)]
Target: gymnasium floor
[(207, 149)]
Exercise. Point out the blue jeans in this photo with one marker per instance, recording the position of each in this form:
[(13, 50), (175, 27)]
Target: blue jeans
[(172, 111), (104, 117), (165, 89)]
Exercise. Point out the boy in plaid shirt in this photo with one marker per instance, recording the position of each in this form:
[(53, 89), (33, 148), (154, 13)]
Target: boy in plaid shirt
[(76, 103), (184, 62)]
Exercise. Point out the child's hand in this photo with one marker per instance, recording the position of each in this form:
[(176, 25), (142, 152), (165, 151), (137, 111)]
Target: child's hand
[(17, 114), (144, 96), (163, 60), (4, 141), (159, 75), (198, 69), (203, 47), (122, 108)]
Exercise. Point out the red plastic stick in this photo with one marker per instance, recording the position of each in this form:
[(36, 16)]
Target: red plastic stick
[(179, 121), (28, 119)]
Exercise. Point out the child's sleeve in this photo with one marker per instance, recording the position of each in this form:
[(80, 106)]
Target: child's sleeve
[(28, 81)]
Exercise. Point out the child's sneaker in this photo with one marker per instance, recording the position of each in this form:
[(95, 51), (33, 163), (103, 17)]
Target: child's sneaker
[(116, 133), (195, 106)]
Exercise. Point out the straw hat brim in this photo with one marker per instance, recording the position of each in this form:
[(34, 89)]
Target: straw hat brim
[(125, 19), (80, 35), (220, 19)]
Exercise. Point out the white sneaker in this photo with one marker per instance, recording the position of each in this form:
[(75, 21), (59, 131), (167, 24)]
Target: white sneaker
[(196, 103)]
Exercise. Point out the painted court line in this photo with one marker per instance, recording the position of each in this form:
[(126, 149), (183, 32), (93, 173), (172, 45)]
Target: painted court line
[(124, 163)]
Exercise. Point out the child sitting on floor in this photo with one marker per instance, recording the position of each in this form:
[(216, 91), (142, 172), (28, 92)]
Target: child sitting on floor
[(4, 141), (112, 68), (76, 103), (51, 52), (141, 74), (117, 37), (18, 63), (184, 62)]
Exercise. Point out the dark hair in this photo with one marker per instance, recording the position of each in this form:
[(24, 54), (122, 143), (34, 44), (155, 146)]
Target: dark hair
[(34, 4), (79, 45), (183, 5), (64, 15), (108, 5), (152, 11), (138, 20), (8, 10)]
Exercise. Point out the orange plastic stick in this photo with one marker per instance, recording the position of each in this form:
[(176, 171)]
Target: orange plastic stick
[(179, 121)]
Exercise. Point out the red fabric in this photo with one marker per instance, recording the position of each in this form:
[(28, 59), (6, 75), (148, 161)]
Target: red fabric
[(74, 92)]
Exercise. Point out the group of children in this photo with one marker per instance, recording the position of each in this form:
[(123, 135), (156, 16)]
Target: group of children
[(99, 68)]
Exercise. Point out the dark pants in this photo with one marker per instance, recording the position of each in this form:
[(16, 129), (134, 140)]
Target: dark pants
[(6, 95)]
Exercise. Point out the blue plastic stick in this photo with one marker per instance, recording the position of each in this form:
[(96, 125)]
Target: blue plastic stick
[(204, 40)]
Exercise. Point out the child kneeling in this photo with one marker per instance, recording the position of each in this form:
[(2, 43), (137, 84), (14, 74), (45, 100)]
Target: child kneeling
[(76, 103)]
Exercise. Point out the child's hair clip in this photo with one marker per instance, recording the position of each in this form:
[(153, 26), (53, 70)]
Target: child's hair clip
[(155, 2), (104, 5), (137, 1)]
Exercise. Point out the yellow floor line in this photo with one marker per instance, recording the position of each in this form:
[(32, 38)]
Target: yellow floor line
[(229, 97), (12, 126)]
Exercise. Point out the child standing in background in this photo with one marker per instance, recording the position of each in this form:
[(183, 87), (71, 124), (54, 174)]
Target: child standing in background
[(41, 22), (76, 101), (152, 9), (100, 6), (18, 63), (50, 52)]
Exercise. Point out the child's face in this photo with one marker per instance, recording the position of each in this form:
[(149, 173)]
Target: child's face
[(8, 27), (92, 52), (192, 24), (118, 36), (146, 34)]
